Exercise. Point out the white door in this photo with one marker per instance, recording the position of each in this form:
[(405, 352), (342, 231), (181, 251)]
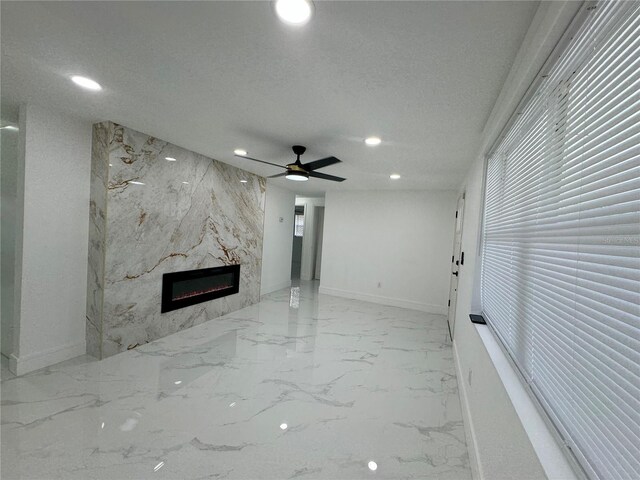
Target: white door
[(456, 260)]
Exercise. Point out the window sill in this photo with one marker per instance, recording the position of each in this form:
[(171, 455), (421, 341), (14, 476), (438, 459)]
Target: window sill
[(549, 452)]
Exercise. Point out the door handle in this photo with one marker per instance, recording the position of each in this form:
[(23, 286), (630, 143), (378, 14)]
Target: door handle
[(455, 273)]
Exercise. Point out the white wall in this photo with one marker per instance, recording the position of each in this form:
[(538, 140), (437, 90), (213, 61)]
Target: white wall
[(499, 446), (8, 190), (55, 165), (309, 237), (277, 240), (402, 240), (319, 239)]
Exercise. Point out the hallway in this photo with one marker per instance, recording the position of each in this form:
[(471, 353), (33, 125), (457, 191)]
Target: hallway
[(301, 385)]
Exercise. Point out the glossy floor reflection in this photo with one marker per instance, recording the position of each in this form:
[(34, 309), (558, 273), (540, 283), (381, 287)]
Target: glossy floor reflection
[(300, 385)]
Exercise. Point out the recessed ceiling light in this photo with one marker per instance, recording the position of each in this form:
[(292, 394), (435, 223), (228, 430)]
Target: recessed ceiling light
[(294, 12), (283, 426), (373, 141), (170, 159), (240, 151), (373, 466), (9, 127), (178, 382), (394, 176), (243, 181), (86, 83), (186, 183), (135, 183), (111, 164)]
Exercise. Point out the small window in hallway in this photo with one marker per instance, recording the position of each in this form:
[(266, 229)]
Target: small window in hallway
[(298, 225)]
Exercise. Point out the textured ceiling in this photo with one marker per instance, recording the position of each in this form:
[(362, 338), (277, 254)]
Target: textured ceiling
[(214, 76)]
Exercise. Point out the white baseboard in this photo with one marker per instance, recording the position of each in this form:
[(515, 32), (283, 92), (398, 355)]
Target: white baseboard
[(472, 444), (275, 287), (35, 361), (394, 302)]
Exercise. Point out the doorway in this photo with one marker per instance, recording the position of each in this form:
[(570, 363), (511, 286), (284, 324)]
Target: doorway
[(298, 232), (457, 259)]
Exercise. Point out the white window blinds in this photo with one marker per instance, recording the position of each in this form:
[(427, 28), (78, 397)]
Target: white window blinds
[(561, 246)]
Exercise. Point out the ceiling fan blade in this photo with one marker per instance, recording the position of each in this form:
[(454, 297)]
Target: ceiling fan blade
[(261, 161), (324, 176), (278, 175), (323, 162)]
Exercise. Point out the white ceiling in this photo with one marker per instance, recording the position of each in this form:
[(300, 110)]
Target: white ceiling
[(214, 76)]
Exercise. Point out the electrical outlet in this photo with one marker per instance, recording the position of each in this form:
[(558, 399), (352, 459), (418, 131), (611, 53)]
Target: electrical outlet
[(281, 219), (470, 371)]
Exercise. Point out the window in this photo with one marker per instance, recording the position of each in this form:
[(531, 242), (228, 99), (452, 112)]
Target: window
[(298, 225), (561, 242)]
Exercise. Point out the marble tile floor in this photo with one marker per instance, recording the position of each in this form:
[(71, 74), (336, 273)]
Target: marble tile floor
[(301, 385)]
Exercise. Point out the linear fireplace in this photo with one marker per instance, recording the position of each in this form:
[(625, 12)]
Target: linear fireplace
[(181, 289)]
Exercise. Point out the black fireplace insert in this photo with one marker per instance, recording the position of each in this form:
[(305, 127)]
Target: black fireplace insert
[(181, 289)]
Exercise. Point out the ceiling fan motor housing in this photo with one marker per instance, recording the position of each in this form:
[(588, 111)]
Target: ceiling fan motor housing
[(296, 167)]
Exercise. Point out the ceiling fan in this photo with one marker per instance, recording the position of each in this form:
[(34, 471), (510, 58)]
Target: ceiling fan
[(302, 171)]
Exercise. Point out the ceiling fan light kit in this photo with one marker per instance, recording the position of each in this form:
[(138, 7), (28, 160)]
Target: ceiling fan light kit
[(300, 172), (297, 176)]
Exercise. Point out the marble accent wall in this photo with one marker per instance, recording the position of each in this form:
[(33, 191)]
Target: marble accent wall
[(151, 216), (97, 237)]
